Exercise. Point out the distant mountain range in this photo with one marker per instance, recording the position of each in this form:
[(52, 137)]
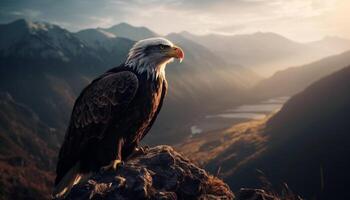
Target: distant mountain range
[(268, 52), (125, 30), (122, 30), (304, 145), (295, 79)]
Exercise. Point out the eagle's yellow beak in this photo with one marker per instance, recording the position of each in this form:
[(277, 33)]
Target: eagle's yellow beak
[(176, 52)]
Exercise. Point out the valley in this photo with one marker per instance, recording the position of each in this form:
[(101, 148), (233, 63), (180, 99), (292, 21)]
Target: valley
[(236, 115)]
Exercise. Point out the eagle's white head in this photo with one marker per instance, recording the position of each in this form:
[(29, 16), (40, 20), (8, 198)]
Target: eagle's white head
[(151, 56)]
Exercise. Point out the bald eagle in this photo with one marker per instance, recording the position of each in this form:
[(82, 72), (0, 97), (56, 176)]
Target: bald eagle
[(114, 112)]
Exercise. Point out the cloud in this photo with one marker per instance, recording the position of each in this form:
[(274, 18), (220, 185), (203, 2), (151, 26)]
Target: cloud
[(164, 16)]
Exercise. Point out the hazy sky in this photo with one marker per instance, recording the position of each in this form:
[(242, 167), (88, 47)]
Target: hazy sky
[(301, 20)]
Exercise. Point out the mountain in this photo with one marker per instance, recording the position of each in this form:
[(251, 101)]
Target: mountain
[(112, 49), (28, 149), (42, 66), (332, 44), (293, 80), (125, 30), (39, 40), (308, 140), (303, 145), (96, 38), (267, 52)]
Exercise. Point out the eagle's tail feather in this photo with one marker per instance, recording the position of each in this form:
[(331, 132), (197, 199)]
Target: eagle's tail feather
[(71, 178)]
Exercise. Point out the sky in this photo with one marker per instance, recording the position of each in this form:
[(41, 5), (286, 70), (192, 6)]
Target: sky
[(300, 20)]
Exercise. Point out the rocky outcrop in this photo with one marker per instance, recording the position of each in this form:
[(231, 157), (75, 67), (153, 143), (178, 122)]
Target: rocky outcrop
[(157, 173)]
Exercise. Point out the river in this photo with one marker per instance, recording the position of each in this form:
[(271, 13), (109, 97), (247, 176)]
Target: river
[(239, 114)]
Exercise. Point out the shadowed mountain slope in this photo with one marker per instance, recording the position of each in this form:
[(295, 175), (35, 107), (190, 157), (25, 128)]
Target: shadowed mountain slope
[(27, 152), (303, 145)]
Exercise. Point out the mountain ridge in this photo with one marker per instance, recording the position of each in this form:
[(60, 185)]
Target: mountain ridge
[(266, 52), (294, 79), (129, 31)]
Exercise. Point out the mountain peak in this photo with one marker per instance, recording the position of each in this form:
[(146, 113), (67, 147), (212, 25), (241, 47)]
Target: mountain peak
[(26, 38), (17, 25), (123, 24), (131, 32), (25, 25), (20, 22), (269, 35), (184, 33)]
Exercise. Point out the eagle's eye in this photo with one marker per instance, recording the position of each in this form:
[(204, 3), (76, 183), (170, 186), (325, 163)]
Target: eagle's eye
[(156, 48), (163, 46)]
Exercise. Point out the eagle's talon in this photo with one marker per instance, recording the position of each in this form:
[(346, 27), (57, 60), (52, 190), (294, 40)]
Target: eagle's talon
[(113, 166), (141, 150), (138, 151)]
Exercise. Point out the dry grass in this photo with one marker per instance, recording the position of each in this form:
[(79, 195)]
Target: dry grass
[(285, 193), (24, 182), (205, 147), (217, 187)]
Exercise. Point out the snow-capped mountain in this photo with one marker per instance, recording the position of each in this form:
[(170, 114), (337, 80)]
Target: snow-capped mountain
[(107, 44), (26, 39)]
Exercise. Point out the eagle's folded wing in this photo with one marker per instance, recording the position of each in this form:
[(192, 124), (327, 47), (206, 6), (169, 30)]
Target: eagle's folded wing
[(104, 99), (96, 103)]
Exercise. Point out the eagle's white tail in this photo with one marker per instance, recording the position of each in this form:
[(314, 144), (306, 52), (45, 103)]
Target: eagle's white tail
[(71, 178)]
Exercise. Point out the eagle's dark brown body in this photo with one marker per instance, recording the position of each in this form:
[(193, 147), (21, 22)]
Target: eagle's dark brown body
[(109, 119)]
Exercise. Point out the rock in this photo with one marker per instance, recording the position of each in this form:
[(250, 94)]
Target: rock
[(160, 173), (254, 194)]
